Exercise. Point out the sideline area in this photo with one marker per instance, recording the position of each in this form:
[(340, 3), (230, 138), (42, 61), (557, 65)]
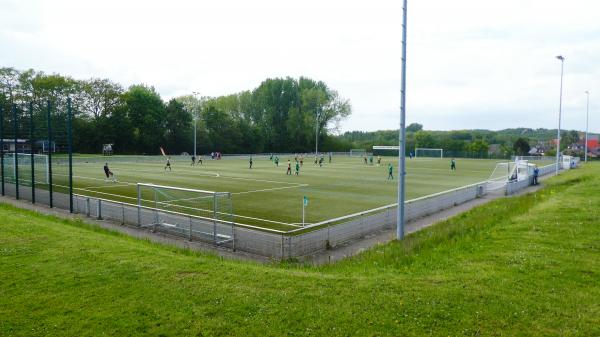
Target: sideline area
[(523, 265)]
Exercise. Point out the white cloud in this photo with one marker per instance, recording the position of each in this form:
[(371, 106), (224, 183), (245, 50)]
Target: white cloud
[(471, 64)]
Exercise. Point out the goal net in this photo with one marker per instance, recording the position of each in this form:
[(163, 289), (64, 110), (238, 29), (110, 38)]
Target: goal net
[(509, 171), (196, 214), (358, 152), (430, 153), (22, 163)]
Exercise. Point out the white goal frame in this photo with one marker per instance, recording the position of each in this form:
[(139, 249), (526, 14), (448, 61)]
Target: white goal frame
[(428, 149), (214, 219), (17, 155), (361, 152)]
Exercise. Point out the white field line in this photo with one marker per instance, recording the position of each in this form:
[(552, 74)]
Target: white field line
[(271, 189), (107, 186), (91, 178), (210, 174), (186, 207)]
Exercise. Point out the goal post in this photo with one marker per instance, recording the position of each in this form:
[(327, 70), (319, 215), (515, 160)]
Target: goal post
[(22, 161), (421, 152), (196, 214), (358, 152)]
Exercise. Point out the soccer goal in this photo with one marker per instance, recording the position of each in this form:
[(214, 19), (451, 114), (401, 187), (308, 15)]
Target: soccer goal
[(196, 214), (22, 161), (421, 152), (358, 152), (509, 171)]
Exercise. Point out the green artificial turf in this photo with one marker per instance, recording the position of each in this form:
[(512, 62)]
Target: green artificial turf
[(528, 265), (265, 192)]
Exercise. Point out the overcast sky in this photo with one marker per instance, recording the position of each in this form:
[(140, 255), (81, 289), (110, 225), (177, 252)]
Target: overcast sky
[(471, 63)]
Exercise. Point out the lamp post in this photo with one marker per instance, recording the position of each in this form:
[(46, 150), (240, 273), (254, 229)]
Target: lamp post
[(317, 133), (195, 93), (562, 66), (587, 123), (402, 134)]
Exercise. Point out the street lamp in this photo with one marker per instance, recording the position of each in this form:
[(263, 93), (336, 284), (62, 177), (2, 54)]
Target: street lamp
[(562, 66), (587, 123), (317, 132), (402, 134), (195, 93)]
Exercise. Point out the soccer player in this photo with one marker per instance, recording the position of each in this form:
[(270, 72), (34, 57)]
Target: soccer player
[(365, 157), (289, 169), (329, 157), (277, 161), (321, 161), (108, 173), (200, 159), (452, 165), (371, 160), (378, 160), (390, 172), (250, 162), (168, 164), (271, 157), (301, 160), (297, 168), (193, 160)]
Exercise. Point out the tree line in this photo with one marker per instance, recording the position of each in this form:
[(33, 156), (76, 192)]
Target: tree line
[(280, 115), (471, 143)]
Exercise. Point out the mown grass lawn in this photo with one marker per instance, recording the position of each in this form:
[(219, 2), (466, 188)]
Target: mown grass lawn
[(520, 266)]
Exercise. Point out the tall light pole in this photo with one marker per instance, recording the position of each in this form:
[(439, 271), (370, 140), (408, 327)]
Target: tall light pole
[(317, 132), (402, 134), (562, 67), (195, 93), (587, 123)]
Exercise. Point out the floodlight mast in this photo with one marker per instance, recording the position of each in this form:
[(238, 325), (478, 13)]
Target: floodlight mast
[(402, 134), (587, 123), (195, 93), (562, 66)]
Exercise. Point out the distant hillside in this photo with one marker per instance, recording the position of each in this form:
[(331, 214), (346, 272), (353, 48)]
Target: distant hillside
[(458, 140)]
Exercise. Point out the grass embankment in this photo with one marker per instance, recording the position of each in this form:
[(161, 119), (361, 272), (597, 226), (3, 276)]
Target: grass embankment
[(520, 266)]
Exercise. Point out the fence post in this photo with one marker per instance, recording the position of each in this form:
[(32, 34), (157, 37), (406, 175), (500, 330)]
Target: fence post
[(87, 207), (16, 157), (122, 213), (232, 236), (215, 218), (139, 209), (50, 155), (99, 209), (2, 146), (31, 152), (70, 145), (190, 230), (282, 245)]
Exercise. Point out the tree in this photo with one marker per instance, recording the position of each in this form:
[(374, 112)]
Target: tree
[(414, 127), (178, 127), (521, 146), (479, 146), (424, 139), (146, 111), (99, 97)]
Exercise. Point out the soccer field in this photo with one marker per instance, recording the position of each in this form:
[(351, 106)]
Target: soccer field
[(264, 195)]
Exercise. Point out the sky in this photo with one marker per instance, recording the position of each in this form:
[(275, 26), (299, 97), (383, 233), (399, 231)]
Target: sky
[(471, 63)]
